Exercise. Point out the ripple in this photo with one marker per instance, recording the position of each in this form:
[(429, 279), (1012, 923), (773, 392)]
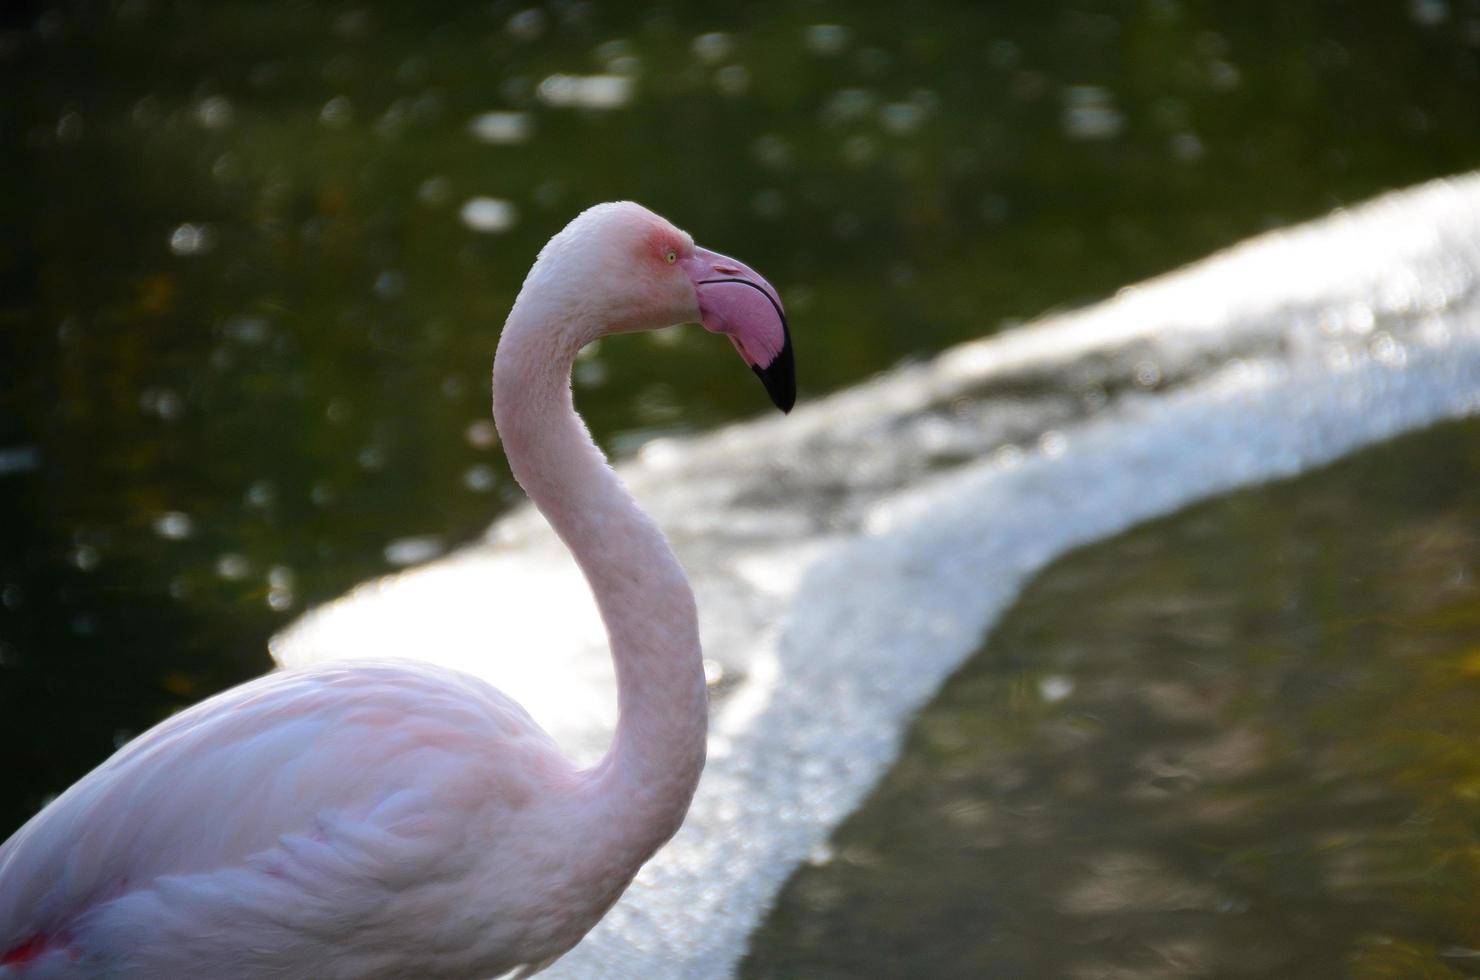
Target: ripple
[(174, 525), (502, 128), (712, 48), (489, 214), (414, 550), (192, 239), (826, 39), (586, 91), (1090, 113)]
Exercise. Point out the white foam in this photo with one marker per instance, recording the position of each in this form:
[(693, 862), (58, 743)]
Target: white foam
[(848, 558)]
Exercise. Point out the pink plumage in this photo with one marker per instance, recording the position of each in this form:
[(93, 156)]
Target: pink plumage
[(393, 819)]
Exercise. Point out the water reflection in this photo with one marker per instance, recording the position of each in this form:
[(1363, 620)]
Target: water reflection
[(586, 91), (826, 39), (191, 239), (1090, 113), (502, 128), (489, 214)]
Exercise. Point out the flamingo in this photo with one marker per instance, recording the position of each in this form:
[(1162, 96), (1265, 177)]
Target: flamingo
[(384, 818)]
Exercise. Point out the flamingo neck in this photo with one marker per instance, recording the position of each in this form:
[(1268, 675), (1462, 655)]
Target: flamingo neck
[(639, 793)]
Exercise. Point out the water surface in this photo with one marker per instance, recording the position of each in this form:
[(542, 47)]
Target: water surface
[(1238, 741)]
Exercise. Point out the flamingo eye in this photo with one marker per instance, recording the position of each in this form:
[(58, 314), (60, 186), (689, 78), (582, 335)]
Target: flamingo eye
[(671, 256)]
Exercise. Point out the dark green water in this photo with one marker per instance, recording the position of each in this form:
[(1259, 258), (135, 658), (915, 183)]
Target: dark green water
[(1243, 740), (245, 325)]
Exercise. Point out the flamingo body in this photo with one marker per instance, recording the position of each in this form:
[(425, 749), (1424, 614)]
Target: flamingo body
[(336, 807), (394, 819)]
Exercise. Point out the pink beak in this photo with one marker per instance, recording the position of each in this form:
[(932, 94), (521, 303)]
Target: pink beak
[(734, 300)]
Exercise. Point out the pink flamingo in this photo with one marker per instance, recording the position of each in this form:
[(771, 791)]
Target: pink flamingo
[(391, 819)]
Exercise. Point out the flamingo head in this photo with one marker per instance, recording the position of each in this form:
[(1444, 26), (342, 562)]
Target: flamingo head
[(644, 274)]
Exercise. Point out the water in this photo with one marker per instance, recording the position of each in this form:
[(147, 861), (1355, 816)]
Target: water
[(1239, 741), (263, 250)]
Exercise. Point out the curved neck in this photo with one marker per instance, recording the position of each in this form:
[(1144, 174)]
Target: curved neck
[(641, 790)]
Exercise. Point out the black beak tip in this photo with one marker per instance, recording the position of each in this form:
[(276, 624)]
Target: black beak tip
[(780, 378)]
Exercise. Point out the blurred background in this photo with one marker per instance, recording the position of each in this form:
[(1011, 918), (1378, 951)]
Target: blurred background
[(256, 256)]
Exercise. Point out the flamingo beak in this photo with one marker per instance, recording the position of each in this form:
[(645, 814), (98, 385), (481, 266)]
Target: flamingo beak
[(734, 300)]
